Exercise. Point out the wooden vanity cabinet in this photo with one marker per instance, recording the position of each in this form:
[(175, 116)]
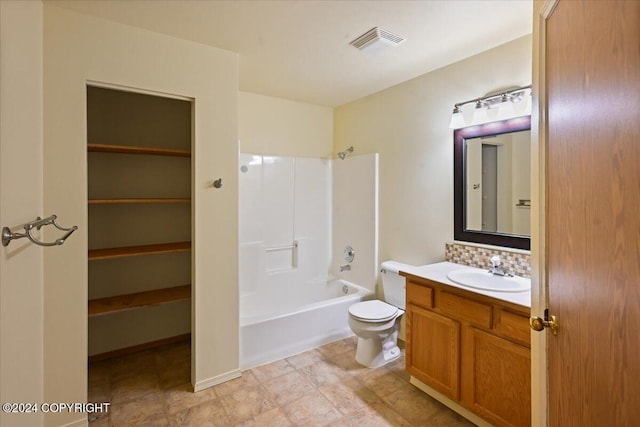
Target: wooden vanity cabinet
[(471, 348)]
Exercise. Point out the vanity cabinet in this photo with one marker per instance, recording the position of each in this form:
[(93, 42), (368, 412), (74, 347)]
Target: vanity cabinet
[(471, 348)]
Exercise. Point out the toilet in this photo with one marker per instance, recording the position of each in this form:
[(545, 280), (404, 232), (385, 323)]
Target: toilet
[(377, 323)]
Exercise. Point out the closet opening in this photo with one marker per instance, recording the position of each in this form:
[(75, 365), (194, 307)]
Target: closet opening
[(139, 231)]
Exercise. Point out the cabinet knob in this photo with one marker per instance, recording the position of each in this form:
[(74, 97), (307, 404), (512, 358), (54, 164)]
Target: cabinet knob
[(217, 183)]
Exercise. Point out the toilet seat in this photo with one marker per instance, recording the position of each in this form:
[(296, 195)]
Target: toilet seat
[(373, 311)]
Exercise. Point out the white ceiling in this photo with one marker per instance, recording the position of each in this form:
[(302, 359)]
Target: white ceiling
[(300, 50)]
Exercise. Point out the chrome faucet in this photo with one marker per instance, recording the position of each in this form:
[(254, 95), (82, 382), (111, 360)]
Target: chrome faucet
[(495, 263), (345, 267)]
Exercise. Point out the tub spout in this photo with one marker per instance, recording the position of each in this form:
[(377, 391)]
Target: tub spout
[(345, 267)]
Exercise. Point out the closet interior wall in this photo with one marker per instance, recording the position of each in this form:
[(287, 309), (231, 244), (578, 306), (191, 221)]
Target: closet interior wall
[(139, 213)]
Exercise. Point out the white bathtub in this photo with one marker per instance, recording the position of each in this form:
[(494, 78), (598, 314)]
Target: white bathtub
[(293, 319)]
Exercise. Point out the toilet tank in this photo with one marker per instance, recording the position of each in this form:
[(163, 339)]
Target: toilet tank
[(394, 285)]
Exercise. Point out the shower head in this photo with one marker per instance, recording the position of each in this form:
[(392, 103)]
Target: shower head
[(344, 153)]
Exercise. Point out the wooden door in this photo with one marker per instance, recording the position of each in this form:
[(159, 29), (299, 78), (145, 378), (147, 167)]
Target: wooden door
[(434, 355), (593, 212)]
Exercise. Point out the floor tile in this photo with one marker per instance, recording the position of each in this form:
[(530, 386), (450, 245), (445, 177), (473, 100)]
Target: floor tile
[(320, 387), (209, 414), (134, 386), (349, 396), (445, 417), (347, 362), (247, 403), (312, 410), (305, 359), (245, 381), (272, 418), (272, 370), (413, 404), (377, 415), (132, 364), (288, 387), (323, 373), (338, 347), (382, 381), (137, 411), (179, 398)]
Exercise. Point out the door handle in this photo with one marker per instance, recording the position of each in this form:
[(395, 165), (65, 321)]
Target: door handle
[(538, 324)]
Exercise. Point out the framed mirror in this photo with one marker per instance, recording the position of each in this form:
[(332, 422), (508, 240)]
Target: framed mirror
[(492, 183)]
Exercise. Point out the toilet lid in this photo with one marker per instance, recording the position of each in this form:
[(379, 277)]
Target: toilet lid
[(373, 311)]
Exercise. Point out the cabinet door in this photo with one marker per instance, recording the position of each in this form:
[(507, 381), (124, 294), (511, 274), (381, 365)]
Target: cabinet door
[(433, 350), (497, 379)]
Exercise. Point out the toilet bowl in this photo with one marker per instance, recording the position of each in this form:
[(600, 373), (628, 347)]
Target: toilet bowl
[(377, 323)]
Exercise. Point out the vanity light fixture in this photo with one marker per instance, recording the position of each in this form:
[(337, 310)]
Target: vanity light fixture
[(508, 104), (457, 119), (480, 114)]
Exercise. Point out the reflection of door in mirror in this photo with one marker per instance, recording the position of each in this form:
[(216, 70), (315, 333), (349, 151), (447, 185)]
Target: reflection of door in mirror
[(489, 187), (497, 182)]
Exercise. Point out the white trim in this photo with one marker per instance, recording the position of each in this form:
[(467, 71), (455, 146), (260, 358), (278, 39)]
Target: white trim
[(454, 406), (539, 374), (131, 89), (79, 423), (218, 379)]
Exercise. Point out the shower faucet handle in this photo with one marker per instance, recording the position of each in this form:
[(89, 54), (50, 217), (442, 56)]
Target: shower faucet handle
[(349, 254)]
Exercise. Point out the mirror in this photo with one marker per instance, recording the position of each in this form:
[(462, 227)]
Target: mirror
[(492, 183)]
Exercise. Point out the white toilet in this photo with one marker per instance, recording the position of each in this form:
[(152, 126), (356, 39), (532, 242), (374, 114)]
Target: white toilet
[(377, 323)]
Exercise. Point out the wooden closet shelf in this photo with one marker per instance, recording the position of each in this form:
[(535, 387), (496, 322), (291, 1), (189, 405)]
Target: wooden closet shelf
[(137, 201), (127, 149), (120, 303), (129, 251)]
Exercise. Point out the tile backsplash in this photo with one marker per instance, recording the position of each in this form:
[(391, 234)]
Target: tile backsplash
[(517, 263)]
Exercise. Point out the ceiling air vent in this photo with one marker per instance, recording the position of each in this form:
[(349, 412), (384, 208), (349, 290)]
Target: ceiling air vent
[(376, 39)]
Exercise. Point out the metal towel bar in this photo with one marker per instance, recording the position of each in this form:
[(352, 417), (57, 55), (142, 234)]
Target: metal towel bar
[(8, 236), (282, 248)]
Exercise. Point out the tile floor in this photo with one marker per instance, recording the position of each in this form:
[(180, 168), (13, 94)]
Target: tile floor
[(321, 387)]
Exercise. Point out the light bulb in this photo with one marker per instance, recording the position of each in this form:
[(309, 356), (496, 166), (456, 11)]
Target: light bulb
[(480, 114), (457, 119)]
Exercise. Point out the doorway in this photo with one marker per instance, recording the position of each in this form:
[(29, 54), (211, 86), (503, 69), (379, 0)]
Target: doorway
[(139, 233)]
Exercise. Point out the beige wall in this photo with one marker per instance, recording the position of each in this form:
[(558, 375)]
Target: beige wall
[(80, 49), (269, 125), (408, 125), (21, 279)]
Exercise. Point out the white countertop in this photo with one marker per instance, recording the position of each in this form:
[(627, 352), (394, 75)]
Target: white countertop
[(438, 273)]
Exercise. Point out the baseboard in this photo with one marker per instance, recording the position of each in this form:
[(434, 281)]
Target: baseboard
[(218, 379), (451, 404), (139, 347)]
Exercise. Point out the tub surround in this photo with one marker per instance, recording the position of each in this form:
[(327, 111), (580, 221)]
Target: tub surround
[(296, 217), (517, 262)]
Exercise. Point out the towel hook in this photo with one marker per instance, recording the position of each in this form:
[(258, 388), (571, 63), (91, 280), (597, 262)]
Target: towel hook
[(8, 236)]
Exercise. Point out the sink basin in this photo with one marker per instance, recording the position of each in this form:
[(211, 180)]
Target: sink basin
[(481, 279)]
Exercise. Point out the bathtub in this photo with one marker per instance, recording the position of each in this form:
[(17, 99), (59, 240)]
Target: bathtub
[(293, 319)]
